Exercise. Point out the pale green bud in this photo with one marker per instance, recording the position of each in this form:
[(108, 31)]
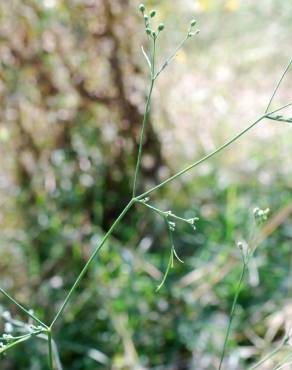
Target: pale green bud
[(161, 27), (142, 8)]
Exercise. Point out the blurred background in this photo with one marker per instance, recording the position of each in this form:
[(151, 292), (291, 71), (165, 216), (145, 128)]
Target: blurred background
[(73, 83)]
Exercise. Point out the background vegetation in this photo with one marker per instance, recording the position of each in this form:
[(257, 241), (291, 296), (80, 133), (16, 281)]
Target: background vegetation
[(72, 95)]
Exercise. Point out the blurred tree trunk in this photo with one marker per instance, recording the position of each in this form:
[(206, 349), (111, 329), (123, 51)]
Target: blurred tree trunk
[(108, 44), (72, 89)]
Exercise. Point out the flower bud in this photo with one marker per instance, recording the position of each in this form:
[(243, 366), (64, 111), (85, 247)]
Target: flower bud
[(240, 245), (161, 27), (146, 17), (152, 13), (148, 31), (154, 34), (142, 8), (193, 22)]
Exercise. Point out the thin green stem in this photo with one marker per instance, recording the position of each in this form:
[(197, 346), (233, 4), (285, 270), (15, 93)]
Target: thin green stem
[(163, 213), (232, 313), (169, 266), (50, 350), (27, 312), (11, 345), (16, 338), (280, 119), (153, 58), (281, 366), (283, 363), (89, 262), (271, 354), (145, 119), (278, 109), (172, 56), (210, 155), (278, 85)]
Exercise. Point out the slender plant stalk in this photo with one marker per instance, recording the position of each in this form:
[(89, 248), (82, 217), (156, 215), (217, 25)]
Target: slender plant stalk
[(172, 56), (232, 312), (13, 344), (284, 362), (152, 37), (58, 364), (28, 313), (281, 366), (50, 350), (169, 266), (146, 114), (88, 263), (153, 77), (278, 85), (145, 119), (210, 155), (162, 213), (270, 355)]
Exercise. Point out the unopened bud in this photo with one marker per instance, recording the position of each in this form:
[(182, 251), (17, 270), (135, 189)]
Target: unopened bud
[(161, 27), (240, 245), (193, 22), (152, 13), (142, 8)]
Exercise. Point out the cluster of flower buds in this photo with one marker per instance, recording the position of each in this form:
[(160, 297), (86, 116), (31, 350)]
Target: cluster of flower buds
[(171, 225), (148, 28), (145, 200), (192, 222), (192, 32), (7, 337), (8, 327), (261, 215), (6, 315), (280, 118)]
